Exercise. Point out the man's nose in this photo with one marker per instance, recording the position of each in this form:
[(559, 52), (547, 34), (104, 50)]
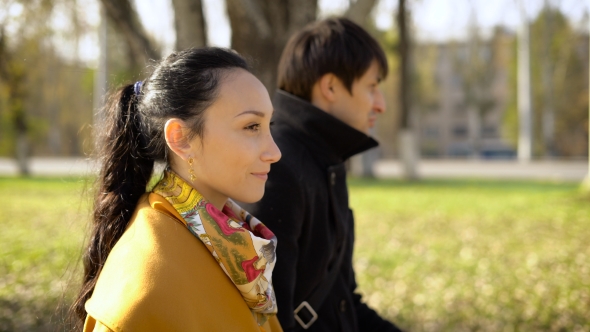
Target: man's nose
[(379, 102)]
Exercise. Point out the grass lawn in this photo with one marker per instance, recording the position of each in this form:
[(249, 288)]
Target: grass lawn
[(42, 222), (474, 256), (431, 256)]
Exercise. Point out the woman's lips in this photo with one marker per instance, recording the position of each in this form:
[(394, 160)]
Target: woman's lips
[(261, 175)]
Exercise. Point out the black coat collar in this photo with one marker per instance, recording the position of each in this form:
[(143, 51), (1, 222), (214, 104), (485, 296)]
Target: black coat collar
[(324, 133)]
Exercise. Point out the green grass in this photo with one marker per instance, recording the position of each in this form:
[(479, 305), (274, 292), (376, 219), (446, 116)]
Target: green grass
[(42, 222), (431, 256), (474, 256)]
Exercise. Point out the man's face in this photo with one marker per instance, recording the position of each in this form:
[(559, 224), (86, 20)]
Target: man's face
[(359, 109)]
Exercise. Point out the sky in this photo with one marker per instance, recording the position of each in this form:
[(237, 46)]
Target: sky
[(444, 19), (435, 20)]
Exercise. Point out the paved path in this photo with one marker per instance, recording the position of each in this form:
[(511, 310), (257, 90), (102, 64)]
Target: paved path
[(538, 170), (50, 166)]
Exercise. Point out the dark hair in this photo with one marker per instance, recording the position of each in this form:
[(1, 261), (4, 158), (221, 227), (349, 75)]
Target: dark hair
[(181, 86), (334, 45)]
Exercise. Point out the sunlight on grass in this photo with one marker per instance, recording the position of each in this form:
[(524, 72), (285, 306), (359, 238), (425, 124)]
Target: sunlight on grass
[(431, 256), (469, 256), (42, 222)]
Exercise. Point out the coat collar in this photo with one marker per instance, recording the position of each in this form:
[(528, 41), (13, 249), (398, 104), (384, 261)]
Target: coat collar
[(334, 138)]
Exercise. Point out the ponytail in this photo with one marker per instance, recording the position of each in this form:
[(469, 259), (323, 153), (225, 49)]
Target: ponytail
[(126, 167)]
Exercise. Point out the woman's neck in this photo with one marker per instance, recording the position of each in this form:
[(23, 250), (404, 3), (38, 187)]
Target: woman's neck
[(210, 194), (217, 199)]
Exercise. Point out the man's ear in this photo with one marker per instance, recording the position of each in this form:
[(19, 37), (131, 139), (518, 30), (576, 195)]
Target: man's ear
[(176, 136), (327, 84), (323, 93)]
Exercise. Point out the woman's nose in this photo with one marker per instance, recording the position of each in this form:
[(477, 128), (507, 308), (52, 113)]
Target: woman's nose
[(272, 153)]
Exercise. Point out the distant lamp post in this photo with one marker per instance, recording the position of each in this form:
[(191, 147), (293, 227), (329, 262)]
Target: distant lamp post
[(525, 135)]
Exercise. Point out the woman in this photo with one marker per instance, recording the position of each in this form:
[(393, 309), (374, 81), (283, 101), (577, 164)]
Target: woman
[(183, 257)]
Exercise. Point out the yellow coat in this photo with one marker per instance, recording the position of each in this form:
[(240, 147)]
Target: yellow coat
[(160, 277)]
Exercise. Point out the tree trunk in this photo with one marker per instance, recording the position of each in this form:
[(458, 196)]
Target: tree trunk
[(126, 21), (14, 77), (548, 120), (404, 54), (474, 120), (189, 22), (525, 128), (261, 28), (407, 140), (586, 182), (101, 73), (22, 144), (359, 11)]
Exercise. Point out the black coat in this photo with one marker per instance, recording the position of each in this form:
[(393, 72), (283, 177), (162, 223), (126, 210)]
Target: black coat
[(301, 187)]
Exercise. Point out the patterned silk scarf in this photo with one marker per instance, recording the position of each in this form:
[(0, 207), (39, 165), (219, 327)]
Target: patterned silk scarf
[(240, 243)]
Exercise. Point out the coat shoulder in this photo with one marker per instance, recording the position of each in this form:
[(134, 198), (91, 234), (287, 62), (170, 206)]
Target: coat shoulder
[(160, 277)]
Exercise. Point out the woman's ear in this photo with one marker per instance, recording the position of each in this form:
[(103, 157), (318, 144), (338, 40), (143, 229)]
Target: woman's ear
[(176, 136)]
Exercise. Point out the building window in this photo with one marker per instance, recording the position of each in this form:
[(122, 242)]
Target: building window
[(489, 132), (431, 132), (460, 131)]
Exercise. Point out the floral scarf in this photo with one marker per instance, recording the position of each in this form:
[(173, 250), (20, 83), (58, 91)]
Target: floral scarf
[(241, 244)]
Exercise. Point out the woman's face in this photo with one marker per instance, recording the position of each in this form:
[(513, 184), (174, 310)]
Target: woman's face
[(233, 157)]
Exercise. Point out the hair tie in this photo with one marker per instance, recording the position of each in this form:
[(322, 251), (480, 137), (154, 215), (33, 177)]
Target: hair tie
[(137, 87)]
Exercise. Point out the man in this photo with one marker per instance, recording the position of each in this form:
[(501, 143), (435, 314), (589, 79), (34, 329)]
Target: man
[(327, 101)]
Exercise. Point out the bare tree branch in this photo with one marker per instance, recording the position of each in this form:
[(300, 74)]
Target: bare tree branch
[(122, 14)]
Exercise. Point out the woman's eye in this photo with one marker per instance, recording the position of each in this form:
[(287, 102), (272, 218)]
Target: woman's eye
[(253, 127)]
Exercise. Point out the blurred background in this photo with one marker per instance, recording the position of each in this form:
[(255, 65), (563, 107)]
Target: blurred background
[(470, 79), (469, 215)]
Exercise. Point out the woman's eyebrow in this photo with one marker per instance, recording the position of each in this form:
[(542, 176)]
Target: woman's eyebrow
[(258, 113)]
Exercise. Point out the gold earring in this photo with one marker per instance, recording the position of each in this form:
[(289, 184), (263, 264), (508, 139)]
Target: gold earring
[(190, 169)]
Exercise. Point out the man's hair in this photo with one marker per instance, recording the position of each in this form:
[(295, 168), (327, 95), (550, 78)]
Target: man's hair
[(333, 45)]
